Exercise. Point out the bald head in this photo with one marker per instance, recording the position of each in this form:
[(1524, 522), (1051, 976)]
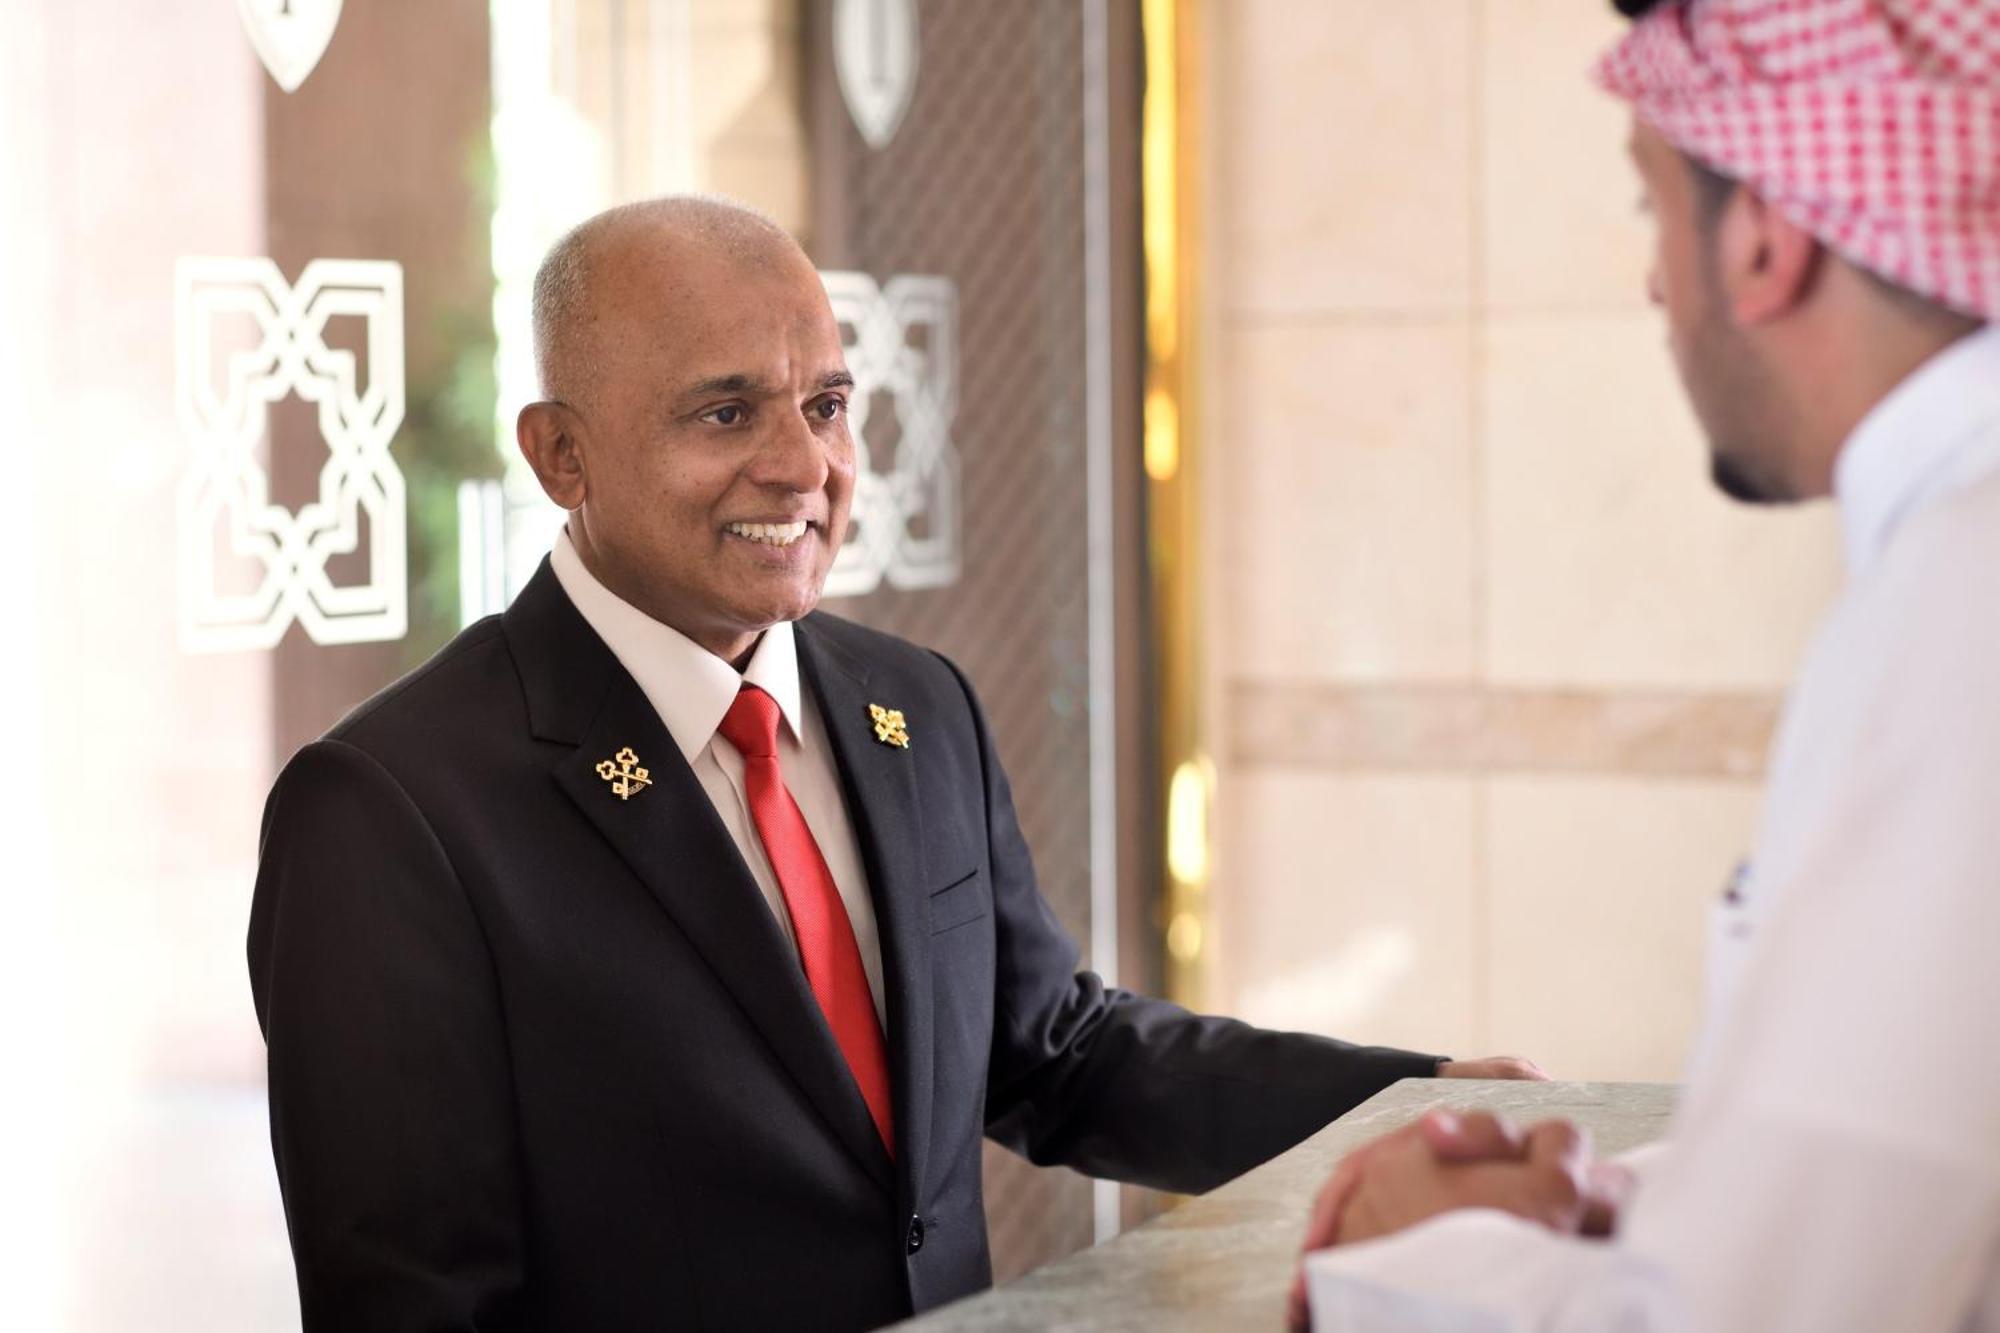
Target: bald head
[(578, 284)]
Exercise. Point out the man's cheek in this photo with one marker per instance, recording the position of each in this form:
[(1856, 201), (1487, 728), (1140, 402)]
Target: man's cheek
[(836, 537)]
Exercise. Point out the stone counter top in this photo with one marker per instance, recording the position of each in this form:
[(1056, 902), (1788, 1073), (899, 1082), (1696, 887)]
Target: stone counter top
[(1225, 1260)]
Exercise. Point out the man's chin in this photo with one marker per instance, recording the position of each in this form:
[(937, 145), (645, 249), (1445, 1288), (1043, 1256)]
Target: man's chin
[(777, 610)]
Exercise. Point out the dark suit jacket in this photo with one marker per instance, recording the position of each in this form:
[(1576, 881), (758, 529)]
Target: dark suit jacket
[(541, 1058)]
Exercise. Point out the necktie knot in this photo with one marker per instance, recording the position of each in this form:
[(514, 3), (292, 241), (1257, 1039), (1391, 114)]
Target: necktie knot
[(751, 724)]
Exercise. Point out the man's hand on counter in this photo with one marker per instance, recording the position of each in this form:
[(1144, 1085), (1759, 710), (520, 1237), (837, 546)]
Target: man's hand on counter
[(1454, 1159), (1495, 1066)]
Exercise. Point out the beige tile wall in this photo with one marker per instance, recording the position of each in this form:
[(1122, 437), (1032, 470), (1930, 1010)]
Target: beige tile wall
[(1378, 931), (1559, 223), (1608, 558), (1463, 525), (1371, 511), (1597, 895), (1300, 72)]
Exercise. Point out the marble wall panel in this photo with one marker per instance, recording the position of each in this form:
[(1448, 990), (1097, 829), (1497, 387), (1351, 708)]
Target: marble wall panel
[(1358, 916), (1559, 223), (1610, 559), (1600, 890), (1433, 728), (1342, 154), (1344, 461)]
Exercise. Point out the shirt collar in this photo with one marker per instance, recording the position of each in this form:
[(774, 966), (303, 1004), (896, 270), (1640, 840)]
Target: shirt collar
[(1935, 431), (689, 687)]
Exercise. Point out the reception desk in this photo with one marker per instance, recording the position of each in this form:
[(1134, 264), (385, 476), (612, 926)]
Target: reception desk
[(1225, 1260)]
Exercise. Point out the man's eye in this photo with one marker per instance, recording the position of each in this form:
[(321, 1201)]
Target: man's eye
[(727, 415), (830, 409)]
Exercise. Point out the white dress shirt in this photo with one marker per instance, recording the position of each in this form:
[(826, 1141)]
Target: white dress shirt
[(691, 689), (1835, 1167)]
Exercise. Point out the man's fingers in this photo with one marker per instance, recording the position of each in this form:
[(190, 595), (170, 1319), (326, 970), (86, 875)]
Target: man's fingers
[(1471, 1136), (1298, 1308), (1331, 1208), (1558, 1143), (1324, 1227), (1607, 1188), (1559, 1159), (1599, 1220), (1498, 1066)]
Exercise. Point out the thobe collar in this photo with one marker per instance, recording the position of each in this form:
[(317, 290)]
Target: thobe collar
[(689, 687), (1934, 432)]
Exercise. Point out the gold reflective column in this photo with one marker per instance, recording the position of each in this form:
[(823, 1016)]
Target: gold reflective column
[(1174, 477)]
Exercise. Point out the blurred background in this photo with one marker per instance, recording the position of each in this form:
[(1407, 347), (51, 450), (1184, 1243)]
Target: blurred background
[(1262, 405)]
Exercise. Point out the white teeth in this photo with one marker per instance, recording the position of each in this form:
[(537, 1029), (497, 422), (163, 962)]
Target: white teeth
[(771, 534)]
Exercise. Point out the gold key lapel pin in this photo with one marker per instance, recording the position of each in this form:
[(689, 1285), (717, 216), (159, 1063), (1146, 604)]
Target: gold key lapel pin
[(624, 774), (890, 729)]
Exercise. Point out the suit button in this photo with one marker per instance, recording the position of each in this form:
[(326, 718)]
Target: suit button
[(915, 1241)]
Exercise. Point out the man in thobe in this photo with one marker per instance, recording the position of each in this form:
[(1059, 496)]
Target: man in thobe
[(1824, 176)]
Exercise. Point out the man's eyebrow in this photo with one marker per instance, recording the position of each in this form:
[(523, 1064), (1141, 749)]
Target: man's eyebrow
[(737, 383), (743, 383)]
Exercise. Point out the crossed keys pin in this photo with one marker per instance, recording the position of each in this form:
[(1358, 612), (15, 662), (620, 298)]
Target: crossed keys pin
[(624, 774), (890, 729)]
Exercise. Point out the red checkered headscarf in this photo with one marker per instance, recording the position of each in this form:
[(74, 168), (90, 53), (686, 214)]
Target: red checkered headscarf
[(1873, 124)]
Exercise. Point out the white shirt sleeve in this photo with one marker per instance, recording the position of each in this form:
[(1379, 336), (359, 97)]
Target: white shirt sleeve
[(1480, 1271)]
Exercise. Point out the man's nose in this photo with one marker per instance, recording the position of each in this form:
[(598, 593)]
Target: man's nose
[(791, 455)]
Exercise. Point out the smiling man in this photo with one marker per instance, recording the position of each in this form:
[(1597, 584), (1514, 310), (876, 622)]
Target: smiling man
[(658, 954)]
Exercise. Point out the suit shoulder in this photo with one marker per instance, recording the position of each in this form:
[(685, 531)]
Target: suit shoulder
[(468, 679)]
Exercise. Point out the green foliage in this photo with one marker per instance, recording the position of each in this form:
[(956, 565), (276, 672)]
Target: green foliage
[(447, 435)]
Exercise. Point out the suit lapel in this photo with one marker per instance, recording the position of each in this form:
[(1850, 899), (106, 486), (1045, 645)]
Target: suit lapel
[(670, 836), (880, 784)]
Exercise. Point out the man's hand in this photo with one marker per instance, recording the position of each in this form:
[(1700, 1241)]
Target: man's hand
[(1409, 1181), (1449, 1159), (1478, 1136), (1495, 1066)]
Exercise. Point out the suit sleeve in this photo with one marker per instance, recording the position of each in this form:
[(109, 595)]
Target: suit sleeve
[(1129, 1088), (391, 1099)]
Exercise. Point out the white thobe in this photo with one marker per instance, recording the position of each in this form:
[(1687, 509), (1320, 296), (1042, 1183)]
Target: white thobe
[(1835, 1166), (691, 689)]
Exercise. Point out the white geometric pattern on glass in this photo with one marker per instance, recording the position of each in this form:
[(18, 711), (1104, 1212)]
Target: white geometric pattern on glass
[(290, 35), (921, 489), (223, 401), (875, 63)]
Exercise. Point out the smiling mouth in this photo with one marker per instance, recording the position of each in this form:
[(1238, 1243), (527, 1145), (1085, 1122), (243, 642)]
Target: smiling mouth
[(769, 534)]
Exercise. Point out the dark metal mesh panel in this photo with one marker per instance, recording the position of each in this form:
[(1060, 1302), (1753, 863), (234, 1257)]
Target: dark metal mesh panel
[(983, 184)]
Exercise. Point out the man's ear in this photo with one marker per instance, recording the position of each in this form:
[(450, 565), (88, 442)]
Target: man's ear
[(550, 436), (1768, 263)]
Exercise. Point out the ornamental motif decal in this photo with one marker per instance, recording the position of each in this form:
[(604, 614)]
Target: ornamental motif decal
[(901, 340), (875, 63), (223, 397), (290, 35)]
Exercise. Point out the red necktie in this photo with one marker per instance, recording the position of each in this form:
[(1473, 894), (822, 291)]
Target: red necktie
[(819, 919)]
